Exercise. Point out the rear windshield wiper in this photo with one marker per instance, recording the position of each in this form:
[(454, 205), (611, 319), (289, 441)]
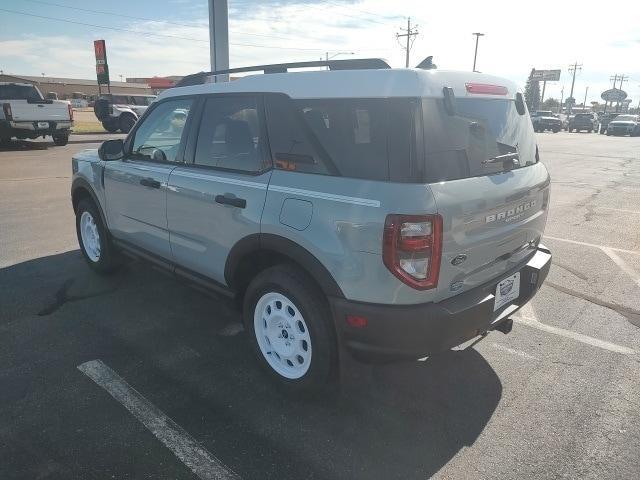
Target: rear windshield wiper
[(506, 159)]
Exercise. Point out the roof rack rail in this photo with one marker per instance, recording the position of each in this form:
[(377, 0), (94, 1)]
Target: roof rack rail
[(349, 64)]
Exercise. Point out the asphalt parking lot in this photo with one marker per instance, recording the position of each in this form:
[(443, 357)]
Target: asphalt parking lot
[(139, 376)]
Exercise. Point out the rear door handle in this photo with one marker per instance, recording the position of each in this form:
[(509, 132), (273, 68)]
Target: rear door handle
[(234, 201), (150, 182)]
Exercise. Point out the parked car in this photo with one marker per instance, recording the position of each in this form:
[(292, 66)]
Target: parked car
[(584, 121), (624, 125), (605, 118), (366, 211), (27, 114), (120, 112), (545, 120)]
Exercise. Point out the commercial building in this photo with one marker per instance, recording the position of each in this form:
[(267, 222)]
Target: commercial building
[(66, 87)]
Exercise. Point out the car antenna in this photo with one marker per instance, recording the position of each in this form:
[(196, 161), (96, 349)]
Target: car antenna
[(427, 64)]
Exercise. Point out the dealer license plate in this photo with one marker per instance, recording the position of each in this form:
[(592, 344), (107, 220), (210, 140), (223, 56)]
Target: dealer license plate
[(507, 291)]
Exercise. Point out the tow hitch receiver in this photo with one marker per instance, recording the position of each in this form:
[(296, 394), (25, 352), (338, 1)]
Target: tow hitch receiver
[(506, 326)]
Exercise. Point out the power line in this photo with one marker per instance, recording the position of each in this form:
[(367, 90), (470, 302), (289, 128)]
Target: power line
[(147, 19), (364, 11), (148, 34), (102, 12)]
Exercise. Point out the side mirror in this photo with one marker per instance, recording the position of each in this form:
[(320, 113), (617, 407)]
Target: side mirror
[(111, 150)]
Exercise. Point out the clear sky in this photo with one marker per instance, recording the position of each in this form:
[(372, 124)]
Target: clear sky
[(170, 37)]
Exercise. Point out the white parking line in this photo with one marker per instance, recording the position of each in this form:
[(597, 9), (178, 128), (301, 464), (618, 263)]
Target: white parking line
[(513, 351), (172, 435), (579, 337), (634, 252), (622, 264)]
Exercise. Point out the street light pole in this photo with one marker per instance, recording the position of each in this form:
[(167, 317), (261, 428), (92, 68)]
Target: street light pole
[(327, 57), (475, 55)]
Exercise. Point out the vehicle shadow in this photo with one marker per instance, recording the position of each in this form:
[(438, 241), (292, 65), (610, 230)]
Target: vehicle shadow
[(27, 145), (404, 420)]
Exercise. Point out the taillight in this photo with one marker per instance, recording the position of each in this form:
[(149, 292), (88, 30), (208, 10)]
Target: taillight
[(485, 88), (70, 112), (412, 249), (6, 108)]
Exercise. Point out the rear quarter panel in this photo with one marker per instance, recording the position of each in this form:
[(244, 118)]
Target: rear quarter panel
[(345, 229)]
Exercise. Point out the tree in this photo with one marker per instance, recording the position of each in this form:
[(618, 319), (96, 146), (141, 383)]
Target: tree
[(550, 104), (532, 93)]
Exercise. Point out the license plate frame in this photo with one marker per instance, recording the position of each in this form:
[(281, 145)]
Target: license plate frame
[(507, 290), (43, 125)]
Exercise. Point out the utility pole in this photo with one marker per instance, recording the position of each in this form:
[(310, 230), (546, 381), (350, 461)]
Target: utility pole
[(410, 32), (544, 87), (623, 78), (573, 68), (561, 98), (475, 55), (585, 97), (219, 38), (606, 102)]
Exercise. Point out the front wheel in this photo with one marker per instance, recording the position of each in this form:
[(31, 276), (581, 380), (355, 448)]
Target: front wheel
[(60, 139), (110, 126), (126, 122), (291, 330), (93, 239)]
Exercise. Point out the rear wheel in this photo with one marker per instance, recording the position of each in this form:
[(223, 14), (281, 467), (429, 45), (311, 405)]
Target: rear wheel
[(60, 139), (93, 239), (126, 122), (291, 330)]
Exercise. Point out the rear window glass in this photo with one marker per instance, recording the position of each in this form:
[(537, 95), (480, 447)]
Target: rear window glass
[(19, 92), (482, 137), (364, 138)]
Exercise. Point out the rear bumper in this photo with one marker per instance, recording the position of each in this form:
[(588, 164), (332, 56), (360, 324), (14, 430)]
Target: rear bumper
[(415, 331), (31, 129)]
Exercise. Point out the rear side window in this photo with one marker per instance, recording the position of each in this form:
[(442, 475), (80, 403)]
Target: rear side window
[(230, 135), (19, 92), (474, 140), (353, 132), (372, 139)]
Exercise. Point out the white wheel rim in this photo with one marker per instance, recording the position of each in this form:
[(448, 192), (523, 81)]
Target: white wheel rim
[(90, 236), (282, 334)]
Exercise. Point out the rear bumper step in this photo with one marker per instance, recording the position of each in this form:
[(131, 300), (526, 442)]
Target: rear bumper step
[(414, 331)]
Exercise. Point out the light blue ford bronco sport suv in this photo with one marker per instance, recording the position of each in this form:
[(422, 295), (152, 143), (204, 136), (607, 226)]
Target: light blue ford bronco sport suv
[(359, 211)]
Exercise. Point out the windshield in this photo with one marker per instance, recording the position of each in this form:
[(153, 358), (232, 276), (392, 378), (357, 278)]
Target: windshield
[(544, 114), (484, 136), (626, 118), (584, 115)]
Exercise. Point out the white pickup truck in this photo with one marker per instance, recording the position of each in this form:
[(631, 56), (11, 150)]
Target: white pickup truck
[(25, 113)]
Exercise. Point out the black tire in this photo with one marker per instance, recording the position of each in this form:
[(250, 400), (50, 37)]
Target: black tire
[(556, 130), (570, 129), (110, 125), (307, 298), (60, 139), (126, 122), (590, 130), (107, 260)]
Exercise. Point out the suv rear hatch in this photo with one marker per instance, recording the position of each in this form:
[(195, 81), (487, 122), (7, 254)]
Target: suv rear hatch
[(482, 166)]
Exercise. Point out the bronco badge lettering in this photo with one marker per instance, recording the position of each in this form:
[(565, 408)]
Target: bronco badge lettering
[(511, 214)]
